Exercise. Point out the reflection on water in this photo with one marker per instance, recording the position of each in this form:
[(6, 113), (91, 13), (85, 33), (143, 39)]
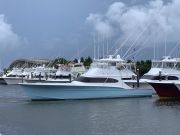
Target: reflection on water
[(136, 116), (167, 102)]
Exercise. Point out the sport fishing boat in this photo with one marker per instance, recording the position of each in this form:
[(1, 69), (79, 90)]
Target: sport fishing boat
[(167, 66), (100, 81), (167, 78)]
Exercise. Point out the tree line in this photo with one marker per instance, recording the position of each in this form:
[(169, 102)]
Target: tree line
[(85, 60)]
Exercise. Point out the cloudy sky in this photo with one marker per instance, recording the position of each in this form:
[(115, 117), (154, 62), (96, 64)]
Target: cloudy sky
[(67, 28)]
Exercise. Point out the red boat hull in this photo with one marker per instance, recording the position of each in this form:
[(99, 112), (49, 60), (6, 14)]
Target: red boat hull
[(166, 90)]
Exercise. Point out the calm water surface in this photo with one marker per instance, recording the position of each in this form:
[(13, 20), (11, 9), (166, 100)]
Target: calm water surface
[(137, 116)]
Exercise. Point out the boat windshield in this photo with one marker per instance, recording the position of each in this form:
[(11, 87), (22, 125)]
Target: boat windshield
[(96, 80), (169, 65), (129, 66), (157, 64), (160, 64), (150, 77)]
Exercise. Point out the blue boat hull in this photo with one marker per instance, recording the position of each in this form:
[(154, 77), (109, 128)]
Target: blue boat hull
[(41, 92)]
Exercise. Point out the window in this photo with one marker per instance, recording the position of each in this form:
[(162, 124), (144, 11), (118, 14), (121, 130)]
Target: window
[(172, 78), (60, 76), (150, 77), (77, 65), (16, 76), (126, 78), (96, 80), (63, 77)]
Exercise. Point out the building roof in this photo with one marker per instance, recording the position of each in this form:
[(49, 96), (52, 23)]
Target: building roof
[(22, 63)]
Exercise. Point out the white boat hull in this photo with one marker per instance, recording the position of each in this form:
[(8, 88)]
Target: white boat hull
[(13, 80), (46, 92)]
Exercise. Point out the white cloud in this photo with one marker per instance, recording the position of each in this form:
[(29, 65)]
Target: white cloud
[(8, 39), (154, 20), (10, 42), (102, 27)]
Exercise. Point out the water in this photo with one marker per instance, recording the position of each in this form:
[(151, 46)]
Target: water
[(132, 116)]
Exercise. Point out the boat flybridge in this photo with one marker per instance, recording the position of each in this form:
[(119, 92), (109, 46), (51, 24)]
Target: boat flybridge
[(126, 69), (101, 81)]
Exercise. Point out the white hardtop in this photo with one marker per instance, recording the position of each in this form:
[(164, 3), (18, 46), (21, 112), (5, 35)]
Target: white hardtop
[(117, 61), (101, 70), (111, 58)]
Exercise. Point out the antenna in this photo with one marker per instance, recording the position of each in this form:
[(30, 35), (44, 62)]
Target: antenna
[(165, 43), (103, 44), (98, 46), (154, 47), (154, 50), (78, 53), (94, 46), (157, 49), (107, 44)]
